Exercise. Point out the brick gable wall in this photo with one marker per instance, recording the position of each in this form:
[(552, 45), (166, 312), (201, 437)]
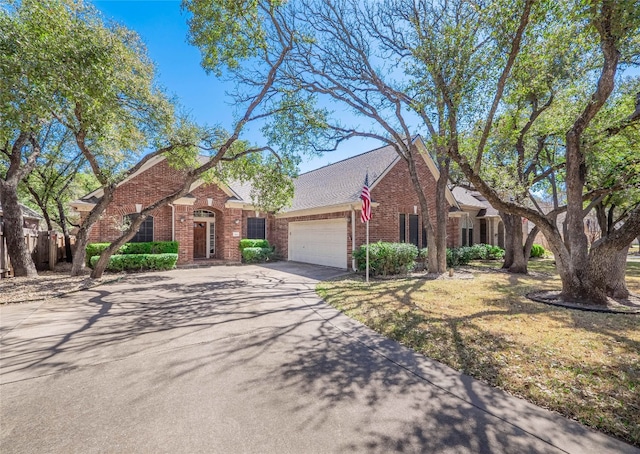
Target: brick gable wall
[(160, 181), (395, 196)]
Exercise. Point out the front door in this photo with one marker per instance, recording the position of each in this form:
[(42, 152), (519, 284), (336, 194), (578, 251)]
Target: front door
[(199, 240)]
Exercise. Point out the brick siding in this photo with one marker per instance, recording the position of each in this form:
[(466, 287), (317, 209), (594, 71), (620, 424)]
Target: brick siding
[(394, 193), (396, 196), (160, 181)]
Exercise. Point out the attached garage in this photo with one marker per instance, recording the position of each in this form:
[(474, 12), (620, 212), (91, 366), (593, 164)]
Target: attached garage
[(319, 242)]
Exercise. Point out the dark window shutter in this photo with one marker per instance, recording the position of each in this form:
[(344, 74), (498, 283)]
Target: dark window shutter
[(413, 229), (403, 228), (256, 228)]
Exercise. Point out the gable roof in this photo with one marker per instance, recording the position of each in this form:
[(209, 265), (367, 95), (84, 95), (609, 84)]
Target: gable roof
[(465, 197), (26, 212), (474, 200), (333, 185), (341, 182)]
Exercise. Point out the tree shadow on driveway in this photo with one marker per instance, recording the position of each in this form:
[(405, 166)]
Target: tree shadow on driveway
[(256, 346)]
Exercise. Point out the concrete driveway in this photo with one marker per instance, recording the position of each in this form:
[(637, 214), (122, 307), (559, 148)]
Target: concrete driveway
[(243, 359)]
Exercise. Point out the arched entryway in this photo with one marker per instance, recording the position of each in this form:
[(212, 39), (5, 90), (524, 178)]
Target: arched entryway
[(204, 234)]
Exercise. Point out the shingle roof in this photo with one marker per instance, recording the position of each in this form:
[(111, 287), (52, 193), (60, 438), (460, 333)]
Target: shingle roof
[(341, 182), (473, 199), (26, 212), (333, 184), (466, 197)]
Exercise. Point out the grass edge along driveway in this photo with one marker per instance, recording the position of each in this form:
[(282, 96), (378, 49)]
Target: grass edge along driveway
[(584, 365)]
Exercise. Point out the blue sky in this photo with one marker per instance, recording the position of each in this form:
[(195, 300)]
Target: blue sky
[(163, 28)]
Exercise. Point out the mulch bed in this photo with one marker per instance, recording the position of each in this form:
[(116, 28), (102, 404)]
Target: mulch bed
[(48, 284), (630, 305)]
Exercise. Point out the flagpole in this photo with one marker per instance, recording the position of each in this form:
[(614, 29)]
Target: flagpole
[(367, 252)]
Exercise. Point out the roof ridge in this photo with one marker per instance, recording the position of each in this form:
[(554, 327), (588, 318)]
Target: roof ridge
[(345, 159)]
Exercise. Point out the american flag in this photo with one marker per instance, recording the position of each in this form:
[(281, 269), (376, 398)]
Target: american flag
[(366, 201)]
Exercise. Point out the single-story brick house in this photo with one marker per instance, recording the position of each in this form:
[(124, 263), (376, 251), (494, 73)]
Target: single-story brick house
[(481, 222), (321, 226)]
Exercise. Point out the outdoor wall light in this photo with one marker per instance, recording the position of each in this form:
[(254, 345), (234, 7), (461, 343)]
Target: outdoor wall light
[(237, 221)]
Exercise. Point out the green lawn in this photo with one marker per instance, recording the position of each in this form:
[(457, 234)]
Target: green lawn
[(584, 365)]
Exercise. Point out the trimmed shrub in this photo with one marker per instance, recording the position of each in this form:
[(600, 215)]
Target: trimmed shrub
[(151, 247), (422, 261), (463, 255), (537, 251), (257, 254), (494, 252), (94, 249), (245, 243), (477, 251), (387, 258), (459, 256), (138, 262)]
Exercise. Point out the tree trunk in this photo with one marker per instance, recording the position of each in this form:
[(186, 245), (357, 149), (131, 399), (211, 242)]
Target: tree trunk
[(78, 263), (434, 264), (515, 261), (615, 275), (82, 237), (65, 231), (13, 221), (508, 243), (528, 244), (442, 212), (103, 261)]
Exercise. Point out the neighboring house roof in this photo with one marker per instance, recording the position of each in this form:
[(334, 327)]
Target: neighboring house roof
[(466, 199), (475, 201), (26, 212)]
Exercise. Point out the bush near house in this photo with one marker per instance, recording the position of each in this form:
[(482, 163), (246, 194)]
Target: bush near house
[(255, 251), (151, 247), (463, 255), (422, 261), (387, 258), (139, 262), (257, 254), (537, 251), (245, 243)]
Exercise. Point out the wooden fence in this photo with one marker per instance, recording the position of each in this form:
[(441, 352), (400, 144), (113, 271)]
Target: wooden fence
[(47, 249)]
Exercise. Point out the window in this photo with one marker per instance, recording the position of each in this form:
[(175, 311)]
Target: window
[(144, 233), (203, 214), (403, 228), (467, 231), (483, 231), (256, 229), (413, 229)]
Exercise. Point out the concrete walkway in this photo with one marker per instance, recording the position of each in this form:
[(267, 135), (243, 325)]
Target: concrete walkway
[(243, 359)]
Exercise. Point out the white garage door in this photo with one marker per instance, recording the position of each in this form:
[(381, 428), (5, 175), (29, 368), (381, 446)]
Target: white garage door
[(319, 242)]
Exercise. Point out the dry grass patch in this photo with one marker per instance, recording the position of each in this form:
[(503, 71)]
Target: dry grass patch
[(584, 365)]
